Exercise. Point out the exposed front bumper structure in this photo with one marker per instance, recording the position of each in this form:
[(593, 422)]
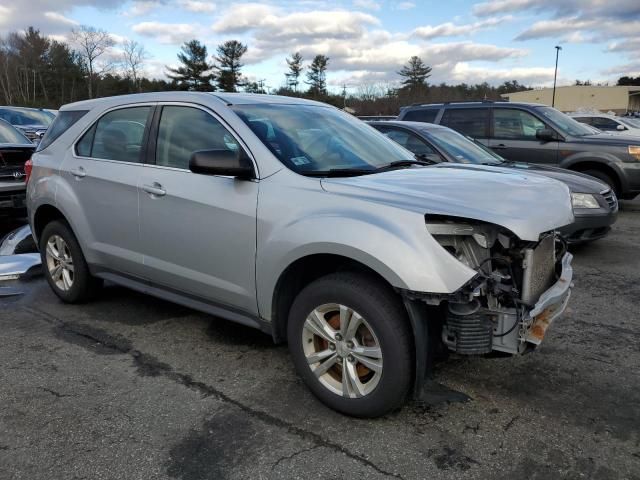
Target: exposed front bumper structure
[(533, 324)]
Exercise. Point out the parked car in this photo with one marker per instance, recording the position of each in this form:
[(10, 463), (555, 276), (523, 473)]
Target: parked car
[(32, 122), (595, 206), (609, 123), (15, 150), (528, 132), (293, 217)]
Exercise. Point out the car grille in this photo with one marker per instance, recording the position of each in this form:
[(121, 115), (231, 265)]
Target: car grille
[(611, 199), (539, 269)]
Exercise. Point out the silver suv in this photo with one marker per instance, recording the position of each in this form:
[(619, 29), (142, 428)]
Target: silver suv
[(295, 218)]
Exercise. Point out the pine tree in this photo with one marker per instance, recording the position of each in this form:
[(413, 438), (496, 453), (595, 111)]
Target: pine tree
[(195, 72), (415, 74), (317, 75), (228, 58), (295, 69)]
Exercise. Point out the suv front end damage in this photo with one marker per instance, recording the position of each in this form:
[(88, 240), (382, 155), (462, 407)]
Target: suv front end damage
[(519, 289)]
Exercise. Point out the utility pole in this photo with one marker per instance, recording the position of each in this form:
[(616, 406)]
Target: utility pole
[(555, 75)]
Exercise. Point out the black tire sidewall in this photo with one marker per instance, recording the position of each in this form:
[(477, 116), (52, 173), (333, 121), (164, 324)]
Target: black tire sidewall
[(385, 314), (83, 283)]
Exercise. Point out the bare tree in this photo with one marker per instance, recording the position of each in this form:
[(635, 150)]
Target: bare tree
[(133, 57), (92, 44)]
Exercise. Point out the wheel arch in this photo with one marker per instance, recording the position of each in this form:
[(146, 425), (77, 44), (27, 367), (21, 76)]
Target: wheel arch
[(43, 215), (301, 273), (602, 165)]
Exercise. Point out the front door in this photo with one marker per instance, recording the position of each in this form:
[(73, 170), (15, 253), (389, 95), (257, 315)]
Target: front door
[(198, 231), (514, 137)]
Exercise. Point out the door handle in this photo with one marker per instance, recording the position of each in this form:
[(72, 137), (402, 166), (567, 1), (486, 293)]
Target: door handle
[(78, 172), (500, 146), (155, 189)]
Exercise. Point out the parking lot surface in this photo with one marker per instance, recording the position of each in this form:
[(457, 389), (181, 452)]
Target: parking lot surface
[(131, 387)]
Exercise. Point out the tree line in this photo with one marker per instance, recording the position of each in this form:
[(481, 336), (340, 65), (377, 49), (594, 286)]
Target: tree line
[(42, 72)]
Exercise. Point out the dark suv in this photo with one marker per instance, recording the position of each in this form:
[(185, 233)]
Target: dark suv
[(529, 132)]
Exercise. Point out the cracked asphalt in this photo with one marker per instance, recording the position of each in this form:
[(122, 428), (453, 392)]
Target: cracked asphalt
[(133, 387)]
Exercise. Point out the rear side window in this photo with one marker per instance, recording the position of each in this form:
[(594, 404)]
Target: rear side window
[(424, 115), (473, 122), (118, 135), (586, 120), (61, 124)]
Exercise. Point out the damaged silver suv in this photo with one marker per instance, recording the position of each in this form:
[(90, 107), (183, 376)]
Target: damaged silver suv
[(295, 218)]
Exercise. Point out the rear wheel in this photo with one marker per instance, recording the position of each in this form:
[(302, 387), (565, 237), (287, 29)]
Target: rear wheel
[(606, 178), (64, 264), (351, 344)]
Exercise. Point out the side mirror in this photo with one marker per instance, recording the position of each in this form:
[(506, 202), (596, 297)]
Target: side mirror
[(620, 128), (222, 162), (546, 135)]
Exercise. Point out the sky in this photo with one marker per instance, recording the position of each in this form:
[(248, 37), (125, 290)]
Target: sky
[(368, 41)]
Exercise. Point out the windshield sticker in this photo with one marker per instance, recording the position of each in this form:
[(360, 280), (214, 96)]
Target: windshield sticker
[(297, 161)]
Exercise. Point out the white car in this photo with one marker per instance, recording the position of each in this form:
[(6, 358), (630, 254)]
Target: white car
[(610, 123)]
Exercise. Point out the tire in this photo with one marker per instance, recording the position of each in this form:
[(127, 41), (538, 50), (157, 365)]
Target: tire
[(606, 178), (384, 332), (77, 285)]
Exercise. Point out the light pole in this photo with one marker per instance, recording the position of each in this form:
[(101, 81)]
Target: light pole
[(555, 74)]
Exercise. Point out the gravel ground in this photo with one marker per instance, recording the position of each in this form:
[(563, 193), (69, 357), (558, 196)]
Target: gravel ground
[(137, 388)]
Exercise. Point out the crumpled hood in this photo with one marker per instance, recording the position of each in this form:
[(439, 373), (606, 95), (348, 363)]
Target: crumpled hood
[(525, 204), (576, 181)]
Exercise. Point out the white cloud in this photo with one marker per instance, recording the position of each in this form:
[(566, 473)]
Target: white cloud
[(141, 8), (274, 24), (450, 30), (367, 4), (58, 17), (197, 6), (405, 6), (463, 72), (169, 33)]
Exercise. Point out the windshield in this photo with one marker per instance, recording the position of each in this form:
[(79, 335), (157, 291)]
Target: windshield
[(565, 123), (9, 134), (463, 149), (630, 122), (19, 116), (312, 139)]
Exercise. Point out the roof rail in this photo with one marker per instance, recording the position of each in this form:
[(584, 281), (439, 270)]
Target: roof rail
[(423, 104)]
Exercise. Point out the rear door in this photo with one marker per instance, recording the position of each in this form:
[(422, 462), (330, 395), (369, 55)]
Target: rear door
[(472, 122), (514, 137), (103, 172), (198, 231)]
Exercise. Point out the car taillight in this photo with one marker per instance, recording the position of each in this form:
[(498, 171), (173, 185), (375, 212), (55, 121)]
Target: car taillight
[(28, 165)]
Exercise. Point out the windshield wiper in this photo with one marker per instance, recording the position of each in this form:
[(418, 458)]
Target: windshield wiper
[(339, 172), (404, 163)]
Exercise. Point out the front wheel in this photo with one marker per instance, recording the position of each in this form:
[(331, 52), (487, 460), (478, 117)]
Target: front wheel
[(350, 342)]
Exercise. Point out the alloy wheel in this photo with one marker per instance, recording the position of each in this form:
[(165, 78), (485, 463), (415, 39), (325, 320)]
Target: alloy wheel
[(342, 350), (59, 262)]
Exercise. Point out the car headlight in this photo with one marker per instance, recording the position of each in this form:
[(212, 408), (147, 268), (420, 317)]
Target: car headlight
[(584, 200), (634, 150)]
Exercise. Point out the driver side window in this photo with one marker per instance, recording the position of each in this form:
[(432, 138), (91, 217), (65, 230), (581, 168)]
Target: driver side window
[(515, 124), (184, 130)]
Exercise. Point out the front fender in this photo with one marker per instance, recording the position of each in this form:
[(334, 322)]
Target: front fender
[(391, 241)]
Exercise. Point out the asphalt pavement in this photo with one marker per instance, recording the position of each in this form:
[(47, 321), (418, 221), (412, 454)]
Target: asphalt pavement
[(131, 387)]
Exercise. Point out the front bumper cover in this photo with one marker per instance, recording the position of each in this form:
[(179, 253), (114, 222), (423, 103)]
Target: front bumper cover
[(551, 304)]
